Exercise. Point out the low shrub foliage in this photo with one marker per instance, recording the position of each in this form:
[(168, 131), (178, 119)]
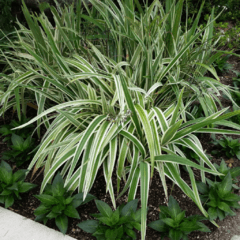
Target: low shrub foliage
[(174, 224), (229, 32), (12, 184), (222, 66), (224, 169), (230, 147), (7, 131), (20, 141), (219, 198), (21, 150), (236, 96), (57, 203), (114, 225)]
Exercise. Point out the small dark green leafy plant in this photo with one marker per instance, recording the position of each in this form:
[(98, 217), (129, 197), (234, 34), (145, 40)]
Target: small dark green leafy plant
[(7, 132), (173, 223), (194, 112), (21, 150), (236, 118), (19, 140), (236, 79), (6, 16), (57, 203), (219, 197), (229, 35), (221, 65), (190, 154), (12, 184), (231, 147), (236, 94), (224, 169), (115, 225)]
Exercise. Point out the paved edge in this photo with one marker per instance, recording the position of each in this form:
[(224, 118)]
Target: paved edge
[(17, 227)]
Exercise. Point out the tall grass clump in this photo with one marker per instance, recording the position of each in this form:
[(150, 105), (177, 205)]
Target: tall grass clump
[(112, 83)]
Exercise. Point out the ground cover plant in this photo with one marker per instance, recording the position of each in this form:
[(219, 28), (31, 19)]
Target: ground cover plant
[(174, 224), (114, 225), (224, 169), (58, 203), (230, 35), (235, 94), (7, 132), (20, 142), (12, 184), (21, 150), (219, 198), (112, 86), (221, 65), (194, 112), (230, 147)]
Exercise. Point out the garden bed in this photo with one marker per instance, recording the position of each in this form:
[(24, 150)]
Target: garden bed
[(228, 227), (127, 98)]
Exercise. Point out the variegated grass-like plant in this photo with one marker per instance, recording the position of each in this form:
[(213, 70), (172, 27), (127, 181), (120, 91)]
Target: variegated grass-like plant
[(112, 87)]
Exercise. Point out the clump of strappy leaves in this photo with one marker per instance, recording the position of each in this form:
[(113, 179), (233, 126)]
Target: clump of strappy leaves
[(219, 197), (12, 184), (20, 142), (115, 225), (224, 169), (59, 204), (230, 147), (174, 224)]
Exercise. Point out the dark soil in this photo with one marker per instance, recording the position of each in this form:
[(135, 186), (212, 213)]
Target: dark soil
[(29, 203)]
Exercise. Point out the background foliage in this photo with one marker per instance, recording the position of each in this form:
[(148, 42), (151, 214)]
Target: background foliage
[(6, 18), (231, 13)]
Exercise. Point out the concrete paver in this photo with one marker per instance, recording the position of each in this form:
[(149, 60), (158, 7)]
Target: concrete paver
[(236, 237), (16, 227)]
